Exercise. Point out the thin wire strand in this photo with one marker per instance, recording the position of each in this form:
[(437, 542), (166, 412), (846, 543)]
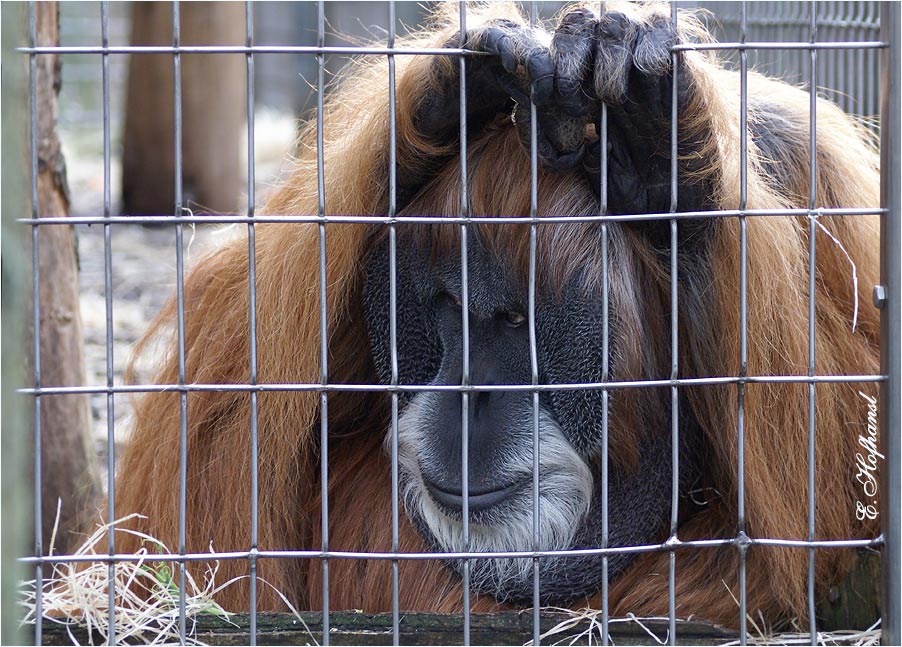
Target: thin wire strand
[(674, 331), (323, 313), (533, 354), (666, 546), (812, 322), (393, 315), (451, 220), (743, 322), (36, 313), (180, 314), (257, 49), (411, 51), (108, 305), (471, 388), (605, 366), (252, 322), (465, 324), (605, 375)]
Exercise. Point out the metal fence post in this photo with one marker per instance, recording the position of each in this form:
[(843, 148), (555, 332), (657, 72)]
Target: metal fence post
[(890, 325)]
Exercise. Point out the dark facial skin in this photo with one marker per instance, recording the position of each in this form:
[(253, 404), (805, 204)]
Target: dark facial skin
[(591, 60), (429, 333)]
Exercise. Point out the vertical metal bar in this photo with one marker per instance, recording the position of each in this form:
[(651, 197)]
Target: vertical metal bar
[(842, 58), (823, 7), (465, 323), (873, 92), (323, 314), (859, 63), (534, 371), (862, 33), (891, 319), (392, 315), (781, 31), (180, 313), (742, 547), (855, 33), (798, 54), (812, 314), (605, 368), (835, 67), (674, 338), (36, 314), (252, 320), (844, 75), (108, 301), (850, 14), (533, 355)]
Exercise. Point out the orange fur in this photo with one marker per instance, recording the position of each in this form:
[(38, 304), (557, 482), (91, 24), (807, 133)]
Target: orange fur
[(360, 504)]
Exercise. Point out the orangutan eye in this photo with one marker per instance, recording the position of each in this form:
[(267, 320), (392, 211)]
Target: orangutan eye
[(514, 319)]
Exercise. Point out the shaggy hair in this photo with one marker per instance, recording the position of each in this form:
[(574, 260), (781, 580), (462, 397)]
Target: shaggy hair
[(356, 144)]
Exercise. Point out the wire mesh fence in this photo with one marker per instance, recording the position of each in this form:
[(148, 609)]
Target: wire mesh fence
[(849, 78), (834, 46)]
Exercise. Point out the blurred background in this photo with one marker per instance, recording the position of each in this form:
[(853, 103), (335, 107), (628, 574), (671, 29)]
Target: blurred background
[(214, 85)]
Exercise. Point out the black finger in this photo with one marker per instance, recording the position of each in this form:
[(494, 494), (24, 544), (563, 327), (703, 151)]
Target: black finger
[(626, 186), (614, 56), (567, 133), (652, 48), (512, 85), (625, 182), (559, 140), (550, 158), (564, 161), (541, 74), (499, 41), (572, 50)]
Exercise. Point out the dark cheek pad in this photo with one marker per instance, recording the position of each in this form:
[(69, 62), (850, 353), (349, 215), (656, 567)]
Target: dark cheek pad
[(569, 348), (418, 344), (568, 340)]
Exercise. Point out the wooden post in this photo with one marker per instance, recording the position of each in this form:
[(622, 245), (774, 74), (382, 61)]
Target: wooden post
[(213, 111), (68, 459), (353, 628)]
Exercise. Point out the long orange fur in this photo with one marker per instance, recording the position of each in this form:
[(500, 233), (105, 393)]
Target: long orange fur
[(288, 345)]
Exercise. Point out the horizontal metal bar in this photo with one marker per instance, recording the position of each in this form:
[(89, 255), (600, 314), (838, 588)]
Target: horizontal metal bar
[(666, 546), (690, 47), (401, 51), (469, 388), (785, 21), (254, 49), (228, 219), (318, 554)]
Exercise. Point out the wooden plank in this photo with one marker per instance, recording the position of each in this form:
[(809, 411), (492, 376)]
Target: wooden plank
[(351, 628), (854, 603)]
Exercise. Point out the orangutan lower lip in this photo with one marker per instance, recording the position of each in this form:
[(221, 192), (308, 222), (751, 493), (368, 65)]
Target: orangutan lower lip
[(478, 500)]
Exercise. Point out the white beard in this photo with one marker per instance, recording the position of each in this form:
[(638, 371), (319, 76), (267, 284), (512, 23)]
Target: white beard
[(565, 494)]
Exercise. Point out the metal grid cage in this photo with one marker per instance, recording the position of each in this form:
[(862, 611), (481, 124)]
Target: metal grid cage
[(755, 33), (848, 77)]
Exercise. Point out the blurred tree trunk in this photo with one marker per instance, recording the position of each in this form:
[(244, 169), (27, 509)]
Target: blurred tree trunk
[(213, 103), (15, 502), (68, 461)]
